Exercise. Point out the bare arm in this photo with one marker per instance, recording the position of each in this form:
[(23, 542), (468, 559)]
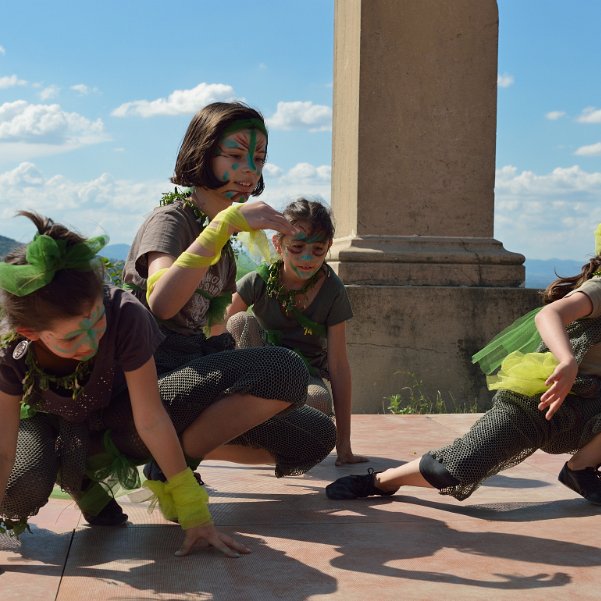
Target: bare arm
[(158, 433), (237, 306), (177, 285), (9, 429), (340, 379), (551, 323)]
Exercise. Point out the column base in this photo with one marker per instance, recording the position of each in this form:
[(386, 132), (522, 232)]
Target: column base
[(426, 261)]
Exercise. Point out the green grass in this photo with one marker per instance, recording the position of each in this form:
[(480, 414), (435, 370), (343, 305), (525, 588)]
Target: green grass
[(412, 400)]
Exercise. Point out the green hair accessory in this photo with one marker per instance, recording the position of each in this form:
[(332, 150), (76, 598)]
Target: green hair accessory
[(245, 124), (45, 256), (598, 240)]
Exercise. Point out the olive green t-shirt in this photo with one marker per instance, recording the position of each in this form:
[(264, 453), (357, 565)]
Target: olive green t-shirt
[(330, 306)]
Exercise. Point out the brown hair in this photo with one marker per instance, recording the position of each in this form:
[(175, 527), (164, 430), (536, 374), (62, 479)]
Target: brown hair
[(201, 142), (69, 294), (561, 286), (314, 213)]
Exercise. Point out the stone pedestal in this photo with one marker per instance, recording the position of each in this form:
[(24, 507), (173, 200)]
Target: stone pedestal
[(414, 136)]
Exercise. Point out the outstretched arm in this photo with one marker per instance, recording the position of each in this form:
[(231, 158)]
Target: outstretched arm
[(158, 433), (340, 379), (551, 323)]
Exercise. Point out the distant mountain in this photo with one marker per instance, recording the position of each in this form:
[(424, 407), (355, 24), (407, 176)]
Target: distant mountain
[(6, 245), (540, 273), (117, 252)]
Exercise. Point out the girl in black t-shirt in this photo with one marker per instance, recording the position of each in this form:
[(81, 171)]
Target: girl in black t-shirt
[(79, 397)]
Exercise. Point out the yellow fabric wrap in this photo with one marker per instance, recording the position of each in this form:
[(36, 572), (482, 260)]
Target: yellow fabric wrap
[(192, 261), (152, 280), (214, 237), (257, 246), (181, 498), (524, 373)]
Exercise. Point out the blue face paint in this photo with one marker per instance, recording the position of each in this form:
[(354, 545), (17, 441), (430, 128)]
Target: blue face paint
[(251, 150), (235, 166)]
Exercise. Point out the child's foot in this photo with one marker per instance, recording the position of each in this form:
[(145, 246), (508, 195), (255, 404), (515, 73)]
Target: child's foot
[(352, 487), (586, 482), (111, 515), (152, 471)]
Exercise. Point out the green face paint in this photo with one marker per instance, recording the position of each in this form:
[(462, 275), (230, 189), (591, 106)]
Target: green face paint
[(80, 343), (239, 163), (304, 255)]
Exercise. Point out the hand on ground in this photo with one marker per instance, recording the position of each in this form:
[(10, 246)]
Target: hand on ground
[(348, 457), (208, 536)]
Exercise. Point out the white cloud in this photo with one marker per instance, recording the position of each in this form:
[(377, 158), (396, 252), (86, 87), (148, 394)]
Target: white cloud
[(303, 179), (42, 129), (10, 81), (504, 80), (179, 102), (118, 207), (2, 50), (554, 115), (83, 89), (301, 115), (590, 115), (102, 204), (49, 92), (547, 216), (590, 150)]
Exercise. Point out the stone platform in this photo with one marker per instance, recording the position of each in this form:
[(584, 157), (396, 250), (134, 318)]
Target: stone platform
[(523, 535)]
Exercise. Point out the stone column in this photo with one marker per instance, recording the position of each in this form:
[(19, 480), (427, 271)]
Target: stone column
[(414, 139)]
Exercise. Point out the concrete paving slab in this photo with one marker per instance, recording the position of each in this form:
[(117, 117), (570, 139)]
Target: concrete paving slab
[(522, 533)]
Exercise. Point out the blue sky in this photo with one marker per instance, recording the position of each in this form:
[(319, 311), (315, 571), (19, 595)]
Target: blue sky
[(95, 98)]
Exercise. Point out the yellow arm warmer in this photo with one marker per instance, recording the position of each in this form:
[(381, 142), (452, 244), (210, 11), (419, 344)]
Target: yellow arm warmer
[(214, 237), (181, 498)]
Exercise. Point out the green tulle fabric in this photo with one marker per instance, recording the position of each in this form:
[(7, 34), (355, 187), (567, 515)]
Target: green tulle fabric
[(521, 336), (108, 471), (45, 256)]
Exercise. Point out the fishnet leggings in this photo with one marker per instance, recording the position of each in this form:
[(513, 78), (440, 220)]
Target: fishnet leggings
[(247, 333), (514, 428), (49, 448)]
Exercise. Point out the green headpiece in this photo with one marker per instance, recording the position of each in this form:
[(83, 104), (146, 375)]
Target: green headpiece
[(598, 240), (45, 256), (241, 124)]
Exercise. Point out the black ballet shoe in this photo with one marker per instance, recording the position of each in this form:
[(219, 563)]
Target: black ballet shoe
[(586, 482), (111, 515), (353, 487)]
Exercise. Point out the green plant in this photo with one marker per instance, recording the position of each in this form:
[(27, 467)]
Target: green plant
[(113, 270), (413, 400)]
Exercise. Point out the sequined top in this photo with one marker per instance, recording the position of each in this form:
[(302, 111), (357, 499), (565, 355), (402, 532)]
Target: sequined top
[(132, 335)]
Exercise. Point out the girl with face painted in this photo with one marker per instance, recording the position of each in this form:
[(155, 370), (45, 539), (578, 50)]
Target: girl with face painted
[(299, 303), (548, 397), (79, 397), (181, 264)]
